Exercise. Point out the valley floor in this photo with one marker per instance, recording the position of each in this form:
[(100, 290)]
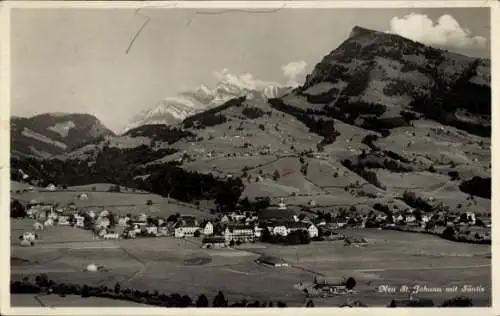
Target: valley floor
[(165, 264)]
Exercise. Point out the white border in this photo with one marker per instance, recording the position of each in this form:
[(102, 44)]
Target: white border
[(5, 8)]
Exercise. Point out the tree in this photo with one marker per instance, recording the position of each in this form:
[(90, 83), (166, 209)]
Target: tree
[(117, 287), (276, 175), (350, 283), (149, 202), (464, 218), (85, 291), (449, 233), (17, 210), (460, 301), (202, 301), (418, 215), (112, 220), (310, 303), (219, 300), (197, 234)]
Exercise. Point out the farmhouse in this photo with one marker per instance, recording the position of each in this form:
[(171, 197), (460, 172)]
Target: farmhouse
[(471, 217), (63, 219), (410, 218), (79, 221), (153, 230), (123, 221), (38, 226), (208, 230), (29, 236), (213, 242), (242, 233)]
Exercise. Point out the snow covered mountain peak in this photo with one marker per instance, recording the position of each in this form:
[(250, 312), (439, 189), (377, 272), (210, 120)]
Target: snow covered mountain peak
[(174, 109)]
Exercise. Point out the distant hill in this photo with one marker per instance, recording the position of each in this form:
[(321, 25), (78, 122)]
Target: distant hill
[(49, 134)]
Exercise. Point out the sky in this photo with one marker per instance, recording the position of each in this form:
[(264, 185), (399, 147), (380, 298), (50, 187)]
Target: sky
[(81, 60)]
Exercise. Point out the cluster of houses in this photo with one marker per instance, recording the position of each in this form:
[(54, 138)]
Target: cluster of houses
[(221, 231)]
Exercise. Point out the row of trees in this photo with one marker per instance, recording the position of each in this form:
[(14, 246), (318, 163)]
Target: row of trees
[(42, 284), (160, 132), (320, 126), (252, 112)]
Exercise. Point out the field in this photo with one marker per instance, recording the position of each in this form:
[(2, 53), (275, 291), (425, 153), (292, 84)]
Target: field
[(179, 265), (120, 203)]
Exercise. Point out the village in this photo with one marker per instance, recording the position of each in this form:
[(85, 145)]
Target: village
[(274, 224)]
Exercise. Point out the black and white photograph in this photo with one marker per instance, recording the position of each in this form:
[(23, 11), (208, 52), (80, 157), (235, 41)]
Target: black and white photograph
[(185, 155)]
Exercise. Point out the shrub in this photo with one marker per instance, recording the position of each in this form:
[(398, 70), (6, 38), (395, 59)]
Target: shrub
[(149, 202)]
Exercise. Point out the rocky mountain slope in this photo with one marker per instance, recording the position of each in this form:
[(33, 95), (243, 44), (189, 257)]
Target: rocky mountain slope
[(173, 110), (49, 134), (378, 116)]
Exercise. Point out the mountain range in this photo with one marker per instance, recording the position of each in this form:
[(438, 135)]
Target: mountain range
[(172, 110), (377, 116)]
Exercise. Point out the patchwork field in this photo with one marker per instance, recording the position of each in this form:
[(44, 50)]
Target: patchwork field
[(179, 265)]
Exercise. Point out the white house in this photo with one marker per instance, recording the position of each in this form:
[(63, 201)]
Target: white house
[(313, 231), (208, 230), (410, 218), (185, 230), (472, 217), (29, 236), (80, 221), (83, 196), (152, 230), (280, 230), (123, 220), (224, 219), (51, 187), (63, 220)]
